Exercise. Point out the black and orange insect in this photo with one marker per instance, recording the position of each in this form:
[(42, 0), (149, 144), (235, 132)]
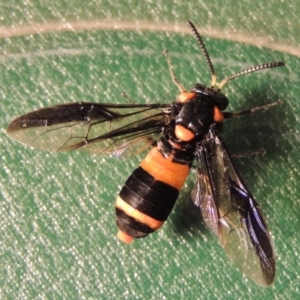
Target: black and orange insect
[(180, 133)]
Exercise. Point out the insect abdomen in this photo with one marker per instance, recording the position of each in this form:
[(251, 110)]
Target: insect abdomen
[(149, 195)]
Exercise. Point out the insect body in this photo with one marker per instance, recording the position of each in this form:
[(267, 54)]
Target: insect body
[(179, 134), (150, 192)]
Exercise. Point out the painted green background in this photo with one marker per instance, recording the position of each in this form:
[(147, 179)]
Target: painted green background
[(57, 232)]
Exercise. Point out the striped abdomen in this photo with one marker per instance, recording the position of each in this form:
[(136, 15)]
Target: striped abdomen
[(150, 193)]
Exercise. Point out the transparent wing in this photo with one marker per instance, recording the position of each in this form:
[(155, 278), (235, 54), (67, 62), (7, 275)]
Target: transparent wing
[(92, 127), (232, 213)]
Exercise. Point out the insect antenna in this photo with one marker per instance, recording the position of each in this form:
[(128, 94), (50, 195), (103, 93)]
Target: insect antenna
[(251, 70), (204, 50), (211, 67)]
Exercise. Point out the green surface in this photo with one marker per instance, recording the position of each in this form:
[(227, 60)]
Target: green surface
[(57, 210)]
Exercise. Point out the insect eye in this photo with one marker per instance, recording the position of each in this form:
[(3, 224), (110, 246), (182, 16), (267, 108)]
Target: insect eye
[(221, 100)]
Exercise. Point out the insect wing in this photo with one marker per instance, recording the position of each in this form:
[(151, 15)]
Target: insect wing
[(92, 127), (231, 212)]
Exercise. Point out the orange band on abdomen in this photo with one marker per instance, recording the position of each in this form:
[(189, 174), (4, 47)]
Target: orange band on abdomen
[(164, 169), (137, 215)]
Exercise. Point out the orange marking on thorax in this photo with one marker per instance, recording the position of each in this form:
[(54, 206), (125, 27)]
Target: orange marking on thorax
[(186, 96), (183, 133), (218, 115)]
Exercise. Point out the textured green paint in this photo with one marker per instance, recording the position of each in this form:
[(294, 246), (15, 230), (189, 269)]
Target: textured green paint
[(57, 210)]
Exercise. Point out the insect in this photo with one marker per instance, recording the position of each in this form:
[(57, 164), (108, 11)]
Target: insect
[(179, 134)]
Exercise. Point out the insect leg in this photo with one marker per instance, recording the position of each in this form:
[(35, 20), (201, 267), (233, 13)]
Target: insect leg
[(123, 94), (171, 69), (247, 154), (228, 115)]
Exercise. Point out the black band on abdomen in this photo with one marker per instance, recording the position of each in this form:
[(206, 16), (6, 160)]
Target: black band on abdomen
[(131, 226), (152, 197)]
